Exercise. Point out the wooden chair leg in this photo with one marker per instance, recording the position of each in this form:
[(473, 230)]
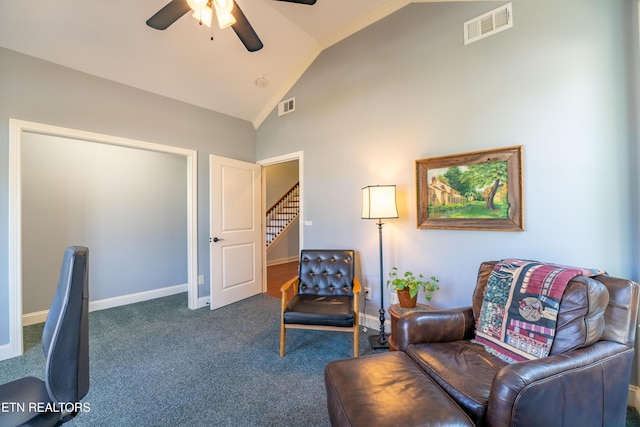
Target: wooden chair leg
[(356, 341), (283, 331)]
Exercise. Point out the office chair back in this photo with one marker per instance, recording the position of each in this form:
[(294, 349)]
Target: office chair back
[(65, 338), (65, 341)]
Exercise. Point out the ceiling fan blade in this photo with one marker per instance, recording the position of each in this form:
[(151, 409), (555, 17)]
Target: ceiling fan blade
[(309, 2), (168, 14), (244, 30)]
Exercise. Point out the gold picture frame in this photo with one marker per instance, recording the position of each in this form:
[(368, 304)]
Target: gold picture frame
[(481, 190)]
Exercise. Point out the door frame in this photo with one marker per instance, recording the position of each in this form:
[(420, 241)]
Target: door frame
[(16, 129), (299, 156)]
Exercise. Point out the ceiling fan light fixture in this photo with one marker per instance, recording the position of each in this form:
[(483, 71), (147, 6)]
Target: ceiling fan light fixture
[(197, 5), (204, 16), (225, 6), (223, 12), (225, 20)]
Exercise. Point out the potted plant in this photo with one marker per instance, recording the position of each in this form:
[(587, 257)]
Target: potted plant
[(407, 286)]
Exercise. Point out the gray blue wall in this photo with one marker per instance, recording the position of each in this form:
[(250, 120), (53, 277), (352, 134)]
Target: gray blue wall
[(42, 92), (129, 206), (407, 88)]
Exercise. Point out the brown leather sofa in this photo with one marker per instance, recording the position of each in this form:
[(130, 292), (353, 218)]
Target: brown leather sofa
[(440, 377)]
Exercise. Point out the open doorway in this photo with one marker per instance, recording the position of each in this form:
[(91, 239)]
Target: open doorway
[(283, 238), (93, 208)]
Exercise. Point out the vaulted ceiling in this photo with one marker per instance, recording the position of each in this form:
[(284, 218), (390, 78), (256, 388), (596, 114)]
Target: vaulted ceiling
[(109, 39)]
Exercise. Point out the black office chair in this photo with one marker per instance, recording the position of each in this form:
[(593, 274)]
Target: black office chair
[(65, 341), (326, 294)]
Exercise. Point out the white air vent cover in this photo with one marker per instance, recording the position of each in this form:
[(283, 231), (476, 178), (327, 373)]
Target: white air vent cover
[(287, 106), (488, 24)]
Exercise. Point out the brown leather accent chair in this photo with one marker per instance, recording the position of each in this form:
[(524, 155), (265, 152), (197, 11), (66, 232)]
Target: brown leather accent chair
[(584, 381), (326, 294)]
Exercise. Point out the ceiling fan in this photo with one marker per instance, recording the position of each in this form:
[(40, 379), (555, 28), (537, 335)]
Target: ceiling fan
[(228, 13)]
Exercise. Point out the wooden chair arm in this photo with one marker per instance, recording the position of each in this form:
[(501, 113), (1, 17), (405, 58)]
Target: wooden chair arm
[(356, 286), (284, 288)]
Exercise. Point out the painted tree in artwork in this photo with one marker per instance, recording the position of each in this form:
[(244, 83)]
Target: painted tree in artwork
[(455, 178), (485, 175)]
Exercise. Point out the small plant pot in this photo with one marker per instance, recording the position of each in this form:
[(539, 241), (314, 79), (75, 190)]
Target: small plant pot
[(405, 300)]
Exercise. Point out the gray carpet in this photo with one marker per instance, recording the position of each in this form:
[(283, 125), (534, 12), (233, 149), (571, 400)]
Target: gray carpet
[(157, 363)]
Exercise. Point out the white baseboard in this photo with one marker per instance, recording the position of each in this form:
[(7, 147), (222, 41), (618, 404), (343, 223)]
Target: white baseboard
[(35, 317), (633, 398), (373, 322), (6, 351), (203, 302), (271, 263), (137, 297), (41, 316)]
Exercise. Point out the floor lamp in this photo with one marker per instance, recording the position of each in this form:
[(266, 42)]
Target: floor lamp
[(379, 202)]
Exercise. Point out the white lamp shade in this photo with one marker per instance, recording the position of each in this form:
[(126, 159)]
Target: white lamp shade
[(379, 201)]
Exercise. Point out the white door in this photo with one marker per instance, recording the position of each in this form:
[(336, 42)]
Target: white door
[(236, 230)]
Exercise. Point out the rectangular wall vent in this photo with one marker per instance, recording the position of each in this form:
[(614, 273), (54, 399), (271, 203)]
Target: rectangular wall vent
[(488, 24), (287, 106)]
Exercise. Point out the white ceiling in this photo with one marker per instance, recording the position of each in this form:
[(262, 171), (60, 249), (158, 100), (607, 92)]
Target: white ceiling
[(109, 39)]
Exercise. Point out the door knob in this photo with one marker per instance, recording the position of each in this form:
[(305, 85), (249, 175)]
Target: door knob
[(216, 240)]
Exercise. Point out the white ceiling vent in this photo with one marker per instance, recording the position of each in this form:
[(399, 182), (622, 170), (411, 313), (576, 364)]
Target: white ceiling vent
[(488, 24), (287, 106)]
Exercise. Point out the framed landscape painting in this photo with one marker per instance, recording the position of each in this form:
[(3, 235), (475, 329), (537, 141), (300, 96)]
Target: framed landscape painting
[(481, 190)]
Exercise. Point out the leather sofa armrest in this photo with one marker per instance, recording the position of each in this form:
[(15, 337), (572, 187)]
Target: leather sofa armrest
[(552, 390), (434, 326)]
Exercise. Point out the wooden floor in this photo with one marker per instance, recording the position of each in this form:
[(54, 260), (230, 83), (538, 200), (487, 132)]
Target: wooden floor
[(278, 275)]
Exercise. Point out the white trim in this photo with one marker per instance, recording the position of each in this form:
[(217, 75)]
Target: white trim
[(14, 347), (633, 398), (41, 316), (16, 128), (204, 301), (36, 317), (299, 156), (6, 351), (282, 261), (118, 301), (373, 323)]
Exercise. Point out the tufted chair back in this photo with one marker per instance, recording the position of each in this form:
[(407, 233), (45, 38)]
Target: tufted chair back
[(325, 295), (326, 272)]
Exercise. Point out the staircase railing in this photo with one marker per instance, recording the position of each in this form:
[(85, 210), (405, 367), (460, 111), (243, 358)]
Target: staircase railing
[(282, 213)]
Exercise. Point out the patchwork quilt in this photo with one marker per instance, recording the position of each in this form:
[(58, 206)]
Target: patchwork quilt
[(519, 311)]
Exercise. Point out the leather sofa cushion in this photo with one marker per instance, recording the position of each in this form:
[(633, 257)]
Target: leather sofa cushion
[(320, 310), (387, 389), (465, 370)]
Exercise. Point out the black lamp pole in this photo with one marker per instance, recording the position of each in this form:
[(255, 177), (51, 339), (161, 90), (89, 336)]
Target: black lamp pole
[(380, 341), (378, 202)]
